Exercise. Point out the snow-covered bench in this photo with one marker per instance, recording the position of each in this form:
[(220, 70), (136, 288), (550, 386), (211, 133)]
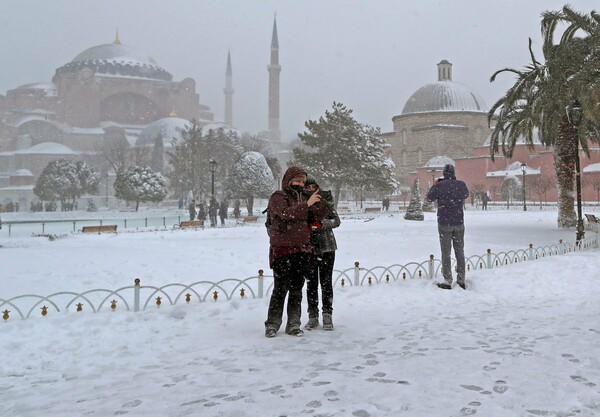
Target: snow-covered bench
[(593, 222), (105, 228)]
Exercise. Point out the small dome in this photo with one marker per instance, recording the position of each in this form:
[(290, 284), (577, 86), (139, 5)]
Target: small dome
[(48, 148), (439, 162), (21, 173), (169, 128), (444, 96)]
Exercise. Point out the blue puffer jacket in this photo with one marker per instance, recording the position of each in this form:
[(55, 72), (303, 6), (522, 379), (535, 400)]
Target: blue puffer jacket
[(450, 194)]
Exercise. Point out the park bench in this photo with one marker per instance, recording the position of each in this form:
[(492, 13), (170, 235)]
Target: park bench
[(372, 209), (250, 219), (593, 222), (105, 228), (191, 224)]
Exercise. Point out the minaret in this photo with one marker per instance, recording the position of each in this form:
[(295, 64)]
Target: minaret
[(274, 69), (228, 90)]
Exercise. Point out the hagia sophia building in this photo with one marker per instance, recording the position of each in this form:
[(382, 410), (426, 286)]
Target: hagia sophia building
[(115, 92), (111, 92)]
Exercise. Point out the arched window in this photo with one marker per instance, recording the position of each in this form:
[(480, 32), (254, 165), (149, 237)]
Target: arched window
[(404, 158)]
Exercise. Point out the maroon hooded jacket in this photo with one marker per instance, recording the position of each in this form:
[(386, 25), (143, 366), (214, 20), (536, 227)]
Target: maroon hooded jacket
[(290, 215)]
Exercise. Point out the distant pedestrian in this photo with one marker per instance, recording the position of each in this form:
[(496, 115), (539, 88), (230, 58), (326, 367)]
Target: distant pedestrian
[(385, 203), (450, 195), (213, 208), (484, 201), (180, 203), (223, 207), (192, 209), (236, 209), (201, 212)]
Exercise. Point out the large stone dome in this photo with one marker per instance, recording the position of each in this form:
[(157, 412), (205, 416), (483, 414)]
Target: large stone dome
[(444, 95), (115, 59)]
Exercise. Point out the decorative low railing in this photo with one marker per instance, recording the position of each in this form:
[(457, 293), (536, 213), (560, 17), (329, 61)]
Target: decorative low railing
[(141, 297)]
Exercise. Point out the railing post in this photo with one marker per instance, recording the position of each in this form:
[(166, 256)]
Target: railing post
[(164, 222), (74, 226), (100, 222), (356, 274), (124, 223), (531, 251), (489, 259), (431, 267), (261, 281), (9, 229), (136, 295), (43, 228), (146, 221), (561, 247)]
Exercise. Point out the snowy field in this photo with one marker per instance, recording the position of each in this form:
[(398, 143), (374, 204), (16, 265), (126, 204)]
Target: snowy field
[(523, 340)]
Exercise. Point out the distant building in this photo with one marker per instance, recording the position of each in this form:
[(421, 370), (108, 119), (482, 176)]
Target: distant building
[(446, 122), (107, 93)]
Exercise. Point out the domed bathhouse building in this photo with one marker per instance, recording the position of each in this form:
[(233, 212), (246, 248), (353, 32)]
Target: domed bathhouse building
[(446, 122), (440, 118)]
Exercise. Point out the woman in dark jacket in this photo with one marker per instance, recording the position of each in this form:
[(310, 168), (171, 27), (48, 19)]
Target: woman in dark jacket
[(290, 251), (325, 246)]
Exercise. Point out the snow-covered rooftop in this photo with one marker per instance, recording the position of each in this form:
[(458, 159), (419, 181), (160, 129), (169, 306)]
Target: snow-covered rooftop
[(48, 148)]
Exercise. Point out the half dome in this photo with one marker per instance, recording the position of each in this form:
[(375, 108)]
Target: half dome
[(168, 128)]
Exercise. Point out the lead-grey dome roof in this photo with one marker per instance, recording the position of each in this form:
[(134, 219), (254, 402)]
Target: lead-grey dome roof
[(114, 52), (115, 59), (444, 96)]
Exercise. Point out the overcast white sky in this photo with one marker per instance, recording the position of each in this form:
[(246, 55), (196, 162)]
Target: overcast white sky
[(370, 55)]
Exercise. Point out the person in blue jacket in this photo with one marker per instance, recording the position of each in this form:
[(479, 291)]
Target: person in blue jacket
[(450, 195)]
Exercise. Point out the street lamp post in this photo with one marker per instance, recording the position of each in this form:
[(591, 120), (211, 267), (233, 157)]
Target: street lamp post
[(106, 188), (213, 167), (524, 170), (575, 115)]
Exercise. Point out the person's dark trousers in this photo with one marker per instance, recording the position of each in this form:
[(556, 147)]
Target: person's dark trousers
[(289, 273), (452, 236), (321, 275)]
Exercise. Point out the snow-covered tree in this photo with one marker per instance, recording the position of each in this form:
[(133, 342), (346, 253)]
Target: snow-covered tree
[(140, 184), (189, 158), (251, 177), (415, 210), (343, 152), (66, 181)]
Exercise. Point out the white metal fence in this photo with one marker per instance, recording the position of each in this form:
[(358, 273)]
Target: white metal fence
[(138, 297)]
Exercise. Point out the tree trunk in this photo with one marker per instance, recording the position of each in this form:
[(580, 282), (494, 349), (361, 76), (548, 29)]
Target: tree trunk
[(336, 195), (565, 150), (250, 205), (137, 205)]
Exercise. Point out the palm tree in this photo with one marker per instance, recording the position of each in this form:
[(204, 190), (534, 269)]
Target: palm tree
[(542, 91)]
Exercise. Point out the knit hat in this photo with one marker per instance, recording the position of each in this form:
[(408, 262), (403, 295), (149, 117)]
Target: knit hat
[(449, 172), (310, 180)]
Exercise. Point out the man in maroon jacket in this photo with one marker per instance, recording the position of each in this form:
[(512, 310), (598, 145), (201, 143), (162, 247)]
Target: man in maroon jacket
[(290, 252)]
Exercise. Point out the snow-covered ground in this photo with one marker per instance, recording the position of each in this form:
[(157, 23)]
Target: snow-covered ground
[(523, 340)]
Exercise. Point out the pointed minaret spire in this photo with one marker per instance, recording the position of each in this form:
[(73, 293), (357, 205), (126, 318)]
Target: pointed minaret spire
[(274, 40), (274, 69), (117, 41), (228, 90)]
